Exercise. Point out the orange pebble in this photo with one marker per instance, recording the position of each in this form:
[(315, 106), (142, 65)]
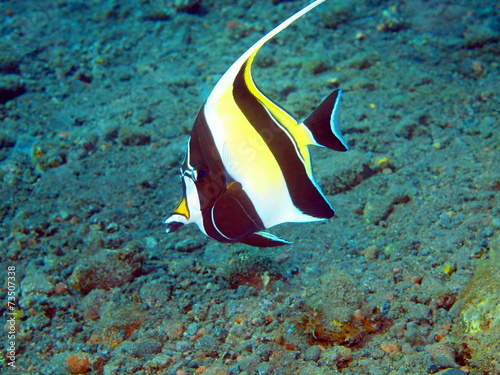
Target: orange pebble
[(390, 348), (60, 288), (238, 320), (439, 337), (417, 280), (200, 370), (77, 363)]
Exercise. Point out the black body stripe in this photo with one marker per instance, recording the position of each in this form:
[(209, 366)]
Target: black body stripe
[(304, 194), (204, 154)]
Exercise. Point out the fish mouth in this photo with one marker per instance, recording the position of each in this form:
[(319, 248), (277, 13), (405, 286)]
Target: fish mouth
[(178, 217), (174, 222), (173, 226)]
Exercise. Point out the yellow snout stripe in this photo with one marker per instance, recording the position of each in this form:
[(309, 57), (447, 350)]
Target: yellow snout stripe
[(182, 209)]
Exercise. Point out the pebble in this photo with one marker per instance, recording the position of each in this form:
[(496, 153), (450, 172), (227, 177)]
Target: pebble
[(38, 321), (336, 14), (192, 328), (338, 177), (335, 355), (379, 207), (107, 269), (129, 135), (78, 363), (443, 355), (264, 368), (450, 371), (419, 311), (206, 344), (312, 353), (183, 346), (249, 363), (188, 245), (36, 284), (479, 35), (264, 351), (371, 253), (155, 294), (142, 348), (11, 86)]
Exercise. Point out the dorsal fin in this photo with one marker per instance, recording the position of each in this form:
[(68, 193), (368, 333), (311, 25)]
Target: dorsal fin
[(228, 77)]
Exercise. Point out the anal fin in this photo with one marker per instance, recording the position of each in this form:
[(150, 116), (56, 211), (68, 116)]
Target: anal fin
[(264, 239)]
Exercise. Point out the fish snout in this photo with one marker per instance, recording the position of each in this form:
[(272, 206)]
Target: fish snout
[(172, 226), (178, 217)]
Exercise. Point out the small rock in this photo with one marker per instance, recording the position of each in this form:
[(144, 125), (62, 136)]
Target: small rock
[(108, 268), (264, 61), (314, 66), (91, 304), (192, 328), (200, 312), (216, 370), (142, 116), (336, 14), (38, 321), (142, 348), (249, 363), (371, 253), (11, 86), (174, 330), (188, 245), (214, 254), (450, 371), (379, 207), (360, 83), (49, 154), (392, 21), (7, 140), (313, 353), (362, 60), (207, 346), (133, 136), (419, 312), (185, 5), (450, 219), (155, 294), (335, 356), (36, 283), (78, 363), (478, 35), (337, 177), (264, 368), (416, 334), (443, 355)]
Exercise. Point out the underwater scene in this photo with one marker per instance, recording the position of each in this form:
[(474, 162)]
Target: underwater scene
[(246, 187)]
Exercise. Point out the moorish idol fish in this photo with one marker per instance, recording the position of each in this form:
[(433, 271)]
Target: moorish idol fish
[(247, 166)]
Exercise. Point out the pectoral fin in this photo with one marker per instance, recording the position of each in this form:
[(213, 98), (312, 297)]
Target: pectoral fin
[(234, 215)]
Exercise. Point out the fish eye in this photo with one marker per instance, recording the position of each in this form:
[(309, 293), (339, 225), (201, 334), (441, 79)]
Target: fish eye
[(201, 174)]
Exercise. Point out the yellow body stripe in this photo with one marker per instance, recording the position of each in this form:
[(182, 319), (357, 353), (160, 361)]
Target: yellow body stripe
[(299, 132), (244, 152)]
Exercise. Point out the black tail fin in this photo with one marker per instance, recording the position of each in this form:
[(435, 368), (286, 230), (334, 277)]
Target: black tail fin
[(324, 123)]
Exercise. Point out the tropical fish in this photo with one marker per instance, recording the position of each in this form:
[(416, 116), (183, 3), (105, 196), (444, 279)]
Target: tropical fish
[(247, 166)]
